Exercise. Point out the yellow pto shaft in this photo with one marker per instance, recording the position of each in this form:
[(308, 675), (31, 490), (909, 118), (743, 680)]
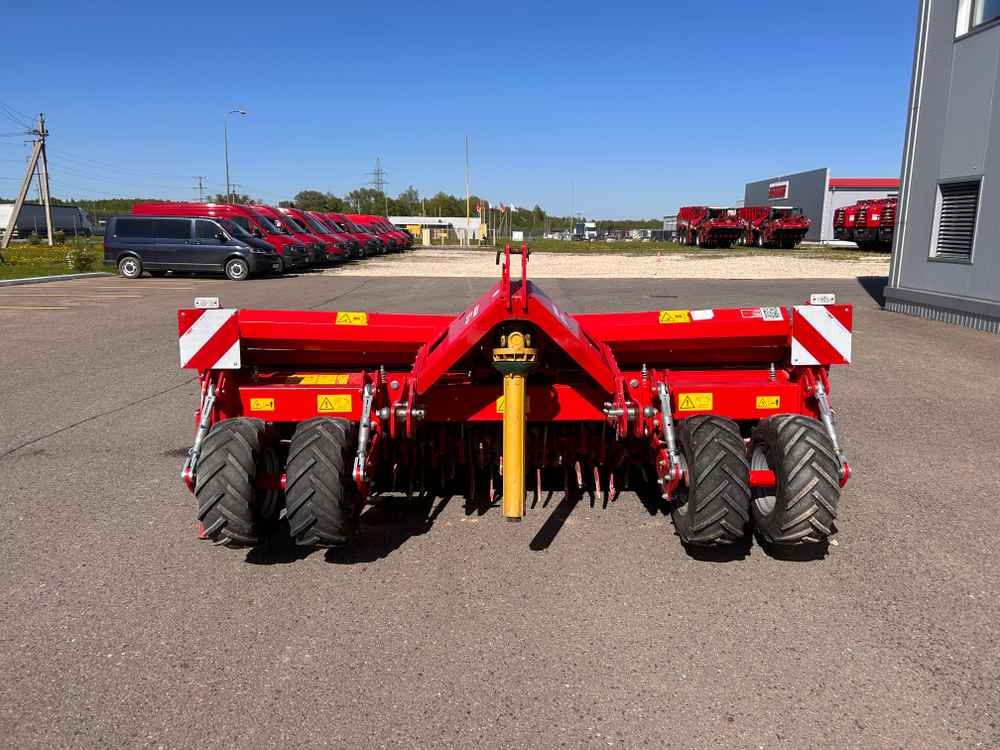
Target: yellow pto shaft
[(513, 447), (515, 359)]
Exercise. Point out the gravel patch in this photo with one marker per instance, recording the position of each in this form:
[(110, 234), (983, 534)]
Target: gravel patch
[(451, 263)]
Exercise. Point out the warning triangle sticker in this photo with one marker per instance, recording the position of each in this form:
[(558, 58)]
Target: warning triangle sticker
[(687, 403)]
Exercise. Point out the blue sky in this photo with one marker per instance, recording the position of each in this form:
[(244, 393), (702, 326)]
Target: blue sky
[(635, 108)]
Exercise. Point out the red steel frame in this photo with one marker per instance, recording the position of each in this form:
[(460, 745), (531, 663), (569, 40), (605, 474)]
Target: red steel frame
[(599, 369)]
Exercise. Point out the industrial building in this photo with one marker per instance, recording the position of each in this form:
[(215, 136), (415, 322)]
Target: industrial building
[(669, 228), (946, 257), (818, 195), (441, 230)]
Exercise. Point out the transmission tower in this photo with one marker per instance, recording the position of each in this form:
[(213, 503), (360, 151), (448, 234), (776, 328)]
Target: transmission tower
[(379, 182)]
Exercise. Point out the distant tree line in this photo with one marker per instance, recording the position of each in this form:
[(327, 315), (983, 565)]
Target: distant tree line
[(368, 200)]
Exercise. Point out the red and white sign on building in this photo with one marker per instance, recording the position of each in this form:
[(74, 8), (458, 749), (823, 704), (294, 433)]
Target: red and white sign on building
[(778, 191)]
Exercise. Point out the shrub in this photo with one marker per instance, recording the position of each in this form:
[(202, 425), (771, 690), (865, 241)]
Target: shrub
[(80, 258), (59, 237), (33, 238)]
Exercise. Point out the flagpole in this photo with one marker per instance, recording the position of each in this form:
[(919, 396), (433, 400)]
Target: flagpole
[(468, 217)]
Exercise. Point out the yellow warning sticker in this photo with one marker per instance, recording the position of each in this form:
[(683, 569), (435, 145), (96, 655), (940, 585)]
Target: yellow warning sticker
[(352, 318), (501, 403), (322, 379), (769, 402), (262, 404), (334, 403), (694, 401), (675, 316)]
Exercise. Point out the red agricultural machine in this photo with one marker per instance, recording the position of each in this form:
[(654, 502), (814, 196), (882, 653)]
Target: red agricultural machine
[(773, 226), (724, 413), (843, 222), (708, 227), (869, 223)]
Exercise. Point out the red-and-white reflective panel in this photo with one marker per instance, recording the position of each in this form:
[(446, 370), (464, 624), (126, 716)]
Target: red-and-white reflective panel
[(210, 340), (821, 335)]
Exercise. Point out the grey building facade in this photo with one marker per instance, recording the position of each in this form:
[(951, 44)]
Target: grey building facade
[(818, 195), (946, 256)]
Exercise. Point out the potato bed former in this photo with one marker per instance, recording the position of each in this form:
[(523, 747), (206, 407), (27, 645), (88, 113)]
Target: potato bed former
[(305, 416)]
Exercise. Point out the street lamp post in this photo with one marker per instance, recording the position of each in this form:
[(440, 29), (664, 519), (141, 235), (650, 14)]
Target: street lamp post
[(242, 112)]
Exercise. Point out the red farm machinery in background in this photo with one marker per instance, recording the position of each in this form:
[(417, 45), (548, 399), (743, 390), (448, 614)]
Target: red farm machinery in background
[(705, 226), (871, 224), (843, 222), (724, 413), (773, 226)]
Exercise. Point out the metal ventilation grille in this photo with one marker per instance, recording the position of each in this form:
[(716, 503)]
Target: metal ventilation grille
[(957, 220)]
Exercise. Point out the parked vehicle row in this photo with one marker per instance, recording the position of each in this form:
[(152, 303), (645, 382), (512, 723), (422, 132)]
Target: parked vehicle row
[(751, 226), (869, 223), (241, 240)]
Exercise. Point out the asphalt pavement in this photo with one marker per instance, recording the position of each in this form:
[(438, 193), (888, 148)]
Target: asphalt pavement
[(583, 626)]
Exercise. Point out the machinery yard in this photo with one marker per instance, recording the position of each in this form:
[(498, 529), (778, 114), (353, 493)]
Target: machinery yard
[(403, 398), (633, 261), (588, 624)]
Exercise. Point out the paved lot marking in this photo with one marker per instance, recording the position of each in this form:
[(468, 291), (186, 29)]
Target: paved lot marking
[(145, 288), (30, 307), (74, 295)]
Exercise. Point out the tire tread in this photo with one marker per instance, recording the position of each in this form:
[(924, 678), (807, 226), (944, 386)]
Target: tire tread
[(321, 501), (225, 482), (717, 510), (807, 496)]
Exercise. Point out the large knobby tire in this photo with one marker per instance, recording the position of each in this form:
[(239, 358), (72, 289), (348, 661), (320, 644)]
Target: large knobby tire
[(227, 466), (803, 506), (322, 502), (715, 509)]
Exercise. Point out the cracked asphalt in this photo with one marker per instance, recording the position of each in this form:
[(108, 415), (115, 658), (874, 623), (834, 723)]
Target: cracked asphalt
[(584, 626)]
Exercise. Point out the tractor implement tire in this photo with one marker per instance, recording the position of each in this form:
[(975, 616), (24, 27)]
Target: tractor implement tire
[(716, 508), (802, 507), (227, 467), (323, 505)]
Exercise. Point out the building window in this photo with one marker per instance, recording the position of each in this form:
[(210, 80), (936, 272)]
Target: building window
[(973, 13), (955, 221)]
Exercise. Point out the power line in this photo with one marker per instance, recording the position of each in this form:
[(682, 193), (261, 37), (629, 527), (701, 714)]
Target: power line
[(113, 168), (14, 116), (110, 179)]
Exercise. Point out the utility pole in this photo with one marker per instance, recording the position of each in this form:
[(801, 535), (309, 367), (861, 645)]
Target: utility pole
[(572, 203), (241, 113), (235, 190), (468, 212), (38, 160), (200, 188)]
